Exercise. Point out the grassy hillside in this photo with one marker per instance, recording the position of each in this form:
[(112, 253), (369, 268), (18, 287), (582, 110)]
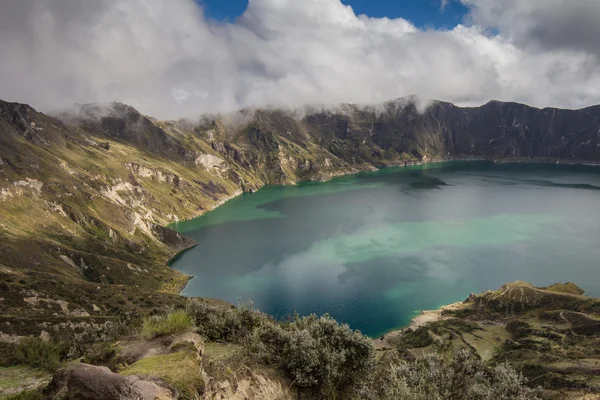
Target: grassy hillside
[(85, 196)]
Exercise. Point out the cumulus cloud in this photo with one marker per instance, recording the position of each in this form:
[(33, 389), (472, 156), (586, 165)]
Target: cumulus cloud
[(169, 60), (542, 25)]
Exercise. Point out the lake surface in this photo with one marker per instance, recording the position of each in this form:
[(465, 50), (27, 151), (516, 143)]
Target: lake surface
[(375, 248)]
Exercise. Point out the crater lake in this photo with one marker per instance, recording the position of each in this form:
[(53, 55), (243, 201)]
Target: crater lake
[(372, 249)]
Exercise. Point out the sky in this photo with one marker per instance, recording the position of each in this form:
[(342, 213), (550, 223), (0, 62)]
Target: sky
[(183, 58), (426, 14)]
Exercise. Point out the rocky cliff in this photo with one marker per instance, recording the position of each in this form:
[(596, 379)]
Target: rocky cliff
[(84, 195)]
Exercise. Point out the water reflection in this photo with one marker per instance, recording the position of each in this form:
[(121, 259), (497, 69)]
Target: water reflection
[(371, 249)]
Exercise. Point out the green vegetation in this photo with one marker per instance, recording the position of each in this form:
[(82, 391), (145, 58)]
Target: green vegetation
[(320, 358), (415, 339), (26, 395), (83, 256), (17, 377), (39, 354), (179, 369), (174, 323), (320, 355), (230, 324), (423, 335), (102, 354), (462, 377)]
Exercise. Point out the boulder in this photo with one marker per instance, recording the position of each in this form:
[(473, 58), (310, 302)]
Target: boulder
[(135, 350), (88, 382)]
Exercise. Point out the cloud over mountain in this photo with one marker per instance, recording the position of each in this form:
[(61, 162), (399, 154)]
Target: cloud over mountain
[(169, 60)]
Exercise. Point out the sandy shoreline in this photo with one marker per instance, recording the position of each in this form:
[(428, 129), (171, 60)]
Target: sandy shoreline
[(424, 318)]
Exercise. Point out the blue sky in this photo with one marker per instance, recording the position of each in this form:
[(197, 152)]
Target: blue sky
[(422, 13)]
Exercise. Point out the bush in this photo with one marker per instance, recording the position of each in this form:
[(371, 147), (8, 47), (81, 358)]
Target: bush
[(7, 354), (105, 354), (318, 353), (463, 377), (226, 324), (415, 339), (79, 340), (420, 337), (174, 323), (39, 354)]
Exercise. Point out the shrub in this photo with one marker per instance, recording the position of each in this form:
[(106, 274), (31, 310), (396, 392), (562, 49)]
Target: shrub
[(226, 324), (420, 337), (463, 377), (318, 353), (39, 354), (415, 339), (7, 354), (105, 354), (174, 323)]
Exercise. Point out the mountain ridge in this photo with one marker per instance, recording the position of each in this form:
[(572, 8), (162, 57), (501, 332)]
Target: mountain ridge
[(85, 197), (106, 178), (114, 176)]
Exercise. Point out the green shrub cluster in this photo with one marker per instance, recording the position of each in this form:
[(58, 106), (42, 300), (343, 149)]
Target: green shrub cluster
[(318, 353), (174, 323), (226, 324), (462, 377), (78, 340), (39, 354), (415, 339), (420, 337), (322, 356), (105, 354)]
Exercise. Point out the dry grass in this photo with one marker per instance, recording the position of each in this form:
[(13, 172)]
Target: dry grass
[(175, 323), (181, 370)]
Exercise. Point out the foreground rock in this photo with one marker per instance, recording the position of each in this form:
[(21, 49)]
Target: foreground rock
[(88, 382)]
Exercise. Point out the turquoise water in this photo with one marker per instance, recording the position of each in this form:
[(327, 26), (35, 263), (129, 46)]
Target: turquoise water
[(374, 248)]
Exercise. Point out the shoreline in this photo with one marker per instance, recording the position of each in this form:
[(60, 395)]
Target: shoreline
[(424, 318), (426, 160), (404, 164)]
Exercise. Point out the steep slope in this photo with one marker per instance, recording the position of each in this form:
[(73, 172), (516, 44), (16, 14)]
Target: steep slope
[(84, 196)]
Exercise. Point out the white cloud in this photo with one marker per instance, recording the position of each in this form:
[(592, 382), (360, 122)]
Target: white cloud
[(168, 60)]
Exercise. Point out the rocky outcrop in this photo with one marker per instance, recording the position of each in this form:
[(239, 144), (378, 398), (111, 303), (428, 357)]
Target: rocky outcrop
[(153, 173), (122, 122), (88, 382), (134, 350), (211, 162)]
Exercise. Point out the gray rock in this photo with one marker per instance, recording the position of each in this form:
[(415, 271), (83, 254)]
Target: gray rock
[(88, 382)]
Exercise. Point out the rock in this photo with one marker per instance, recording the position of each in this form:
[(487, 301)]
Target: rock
[(135, 350), (83, 382), (252, 386), (211, 162)]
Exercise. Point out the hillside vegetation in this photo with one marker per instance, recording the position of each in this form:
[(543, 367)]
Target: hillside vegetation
[(85, 197)]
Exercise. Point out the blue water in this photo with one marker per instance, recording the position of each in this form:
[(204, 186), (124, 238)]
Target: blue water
[(375, 248)]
